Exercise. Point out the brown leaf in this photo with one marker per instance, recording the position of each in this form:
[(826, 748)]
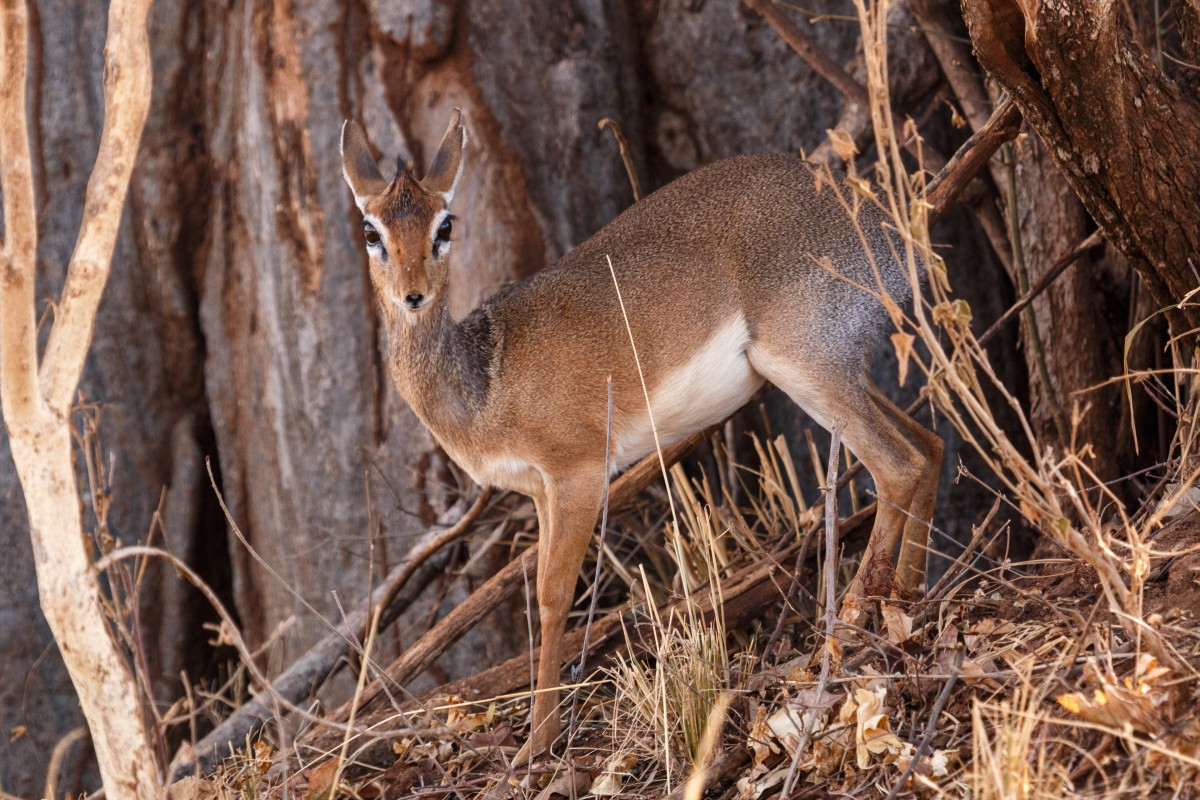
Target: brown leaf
[(903, 344), (809, 708), (323, 779), (898, 624), (193, 788), (843, 144), (861, 187), (571, 783), (970, 671), (873, 734), (760, 739), (616, 769), (500, 736), (1137, 701)]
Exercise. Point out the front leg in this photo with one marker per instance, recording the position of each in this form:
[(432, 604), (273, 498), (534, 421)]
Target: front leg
[(567, 515)]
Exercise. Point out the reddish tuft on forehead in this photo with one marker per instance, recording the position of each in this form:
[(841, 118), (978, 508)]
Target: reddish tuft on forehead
[(405, 199)]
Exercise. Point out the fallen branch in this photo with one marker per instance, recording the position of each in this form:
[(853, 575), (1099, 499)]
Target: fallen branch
[(312, 669), (748, 594), (498, 588), (322, 660)]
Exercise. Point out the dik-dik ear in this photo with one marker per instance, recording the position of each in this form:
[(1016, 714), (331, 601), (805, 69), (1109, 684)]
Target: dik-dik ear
[(447, 164), (358, 165)]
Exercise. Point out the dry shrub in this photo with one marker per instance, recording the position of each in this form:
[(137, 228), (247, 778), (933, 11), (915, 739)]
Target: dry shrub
[(1010, 760), (1056, 492)]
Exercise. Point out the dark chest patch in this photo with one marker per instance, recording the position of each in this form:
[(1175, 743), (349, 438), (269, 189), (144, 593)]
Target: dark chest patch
[(477, 342)]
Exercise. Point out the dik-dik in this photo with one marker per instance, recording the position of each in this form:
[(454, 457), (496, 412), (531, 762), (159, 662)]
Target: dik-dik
[(724, 288)]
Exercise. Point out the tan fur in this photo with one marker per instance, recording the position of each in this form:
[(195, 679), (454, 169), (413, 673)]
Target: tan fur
[(722, 279)]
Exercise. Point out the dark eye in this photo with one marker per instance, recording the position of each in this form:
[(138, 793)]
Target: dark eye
[(443, 231), (371, 235)]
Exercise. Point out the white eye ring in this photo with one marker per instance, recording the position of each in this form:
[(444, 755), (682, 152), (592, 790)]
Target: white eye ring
[(369, 231)]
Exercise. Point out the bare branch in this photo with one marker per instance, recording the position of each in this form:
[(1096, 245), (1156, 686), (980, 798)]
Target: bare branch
[(950, 185), (18, 339), (807, 49), (970, 192), (307, 673), (126, 104)]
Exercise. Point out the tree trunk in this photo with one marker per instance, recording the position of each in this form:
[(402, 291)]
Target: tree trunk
[(37, 393), (1086, 305), (1125, 136)]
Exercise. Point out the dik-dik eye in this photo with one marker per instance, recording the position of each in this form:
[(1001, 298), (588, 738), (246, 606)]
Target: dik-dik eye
[(443, 231), (371, 235)]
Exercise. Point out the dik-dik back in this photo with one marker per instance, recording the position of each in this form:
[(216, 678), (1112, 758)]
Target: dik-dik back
[(724, 283), (742, 272)]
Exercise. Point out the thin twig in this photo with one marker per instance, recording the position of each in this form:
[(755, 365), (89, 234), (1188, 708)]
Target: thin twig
[(1042, 283), (831, 621), (228, 631), (396, 581), (626, 159), (323, 658), (577, 671), (930, 725)]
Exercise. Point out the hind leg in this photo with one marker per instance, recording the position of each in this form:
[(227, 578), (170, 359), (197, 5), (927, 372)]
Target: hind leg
[(914, 545), (900, 467)]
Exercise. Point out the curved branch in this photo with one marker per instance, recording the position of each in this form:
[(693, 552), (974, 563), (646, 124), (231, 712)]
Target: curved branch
[(126, 104)]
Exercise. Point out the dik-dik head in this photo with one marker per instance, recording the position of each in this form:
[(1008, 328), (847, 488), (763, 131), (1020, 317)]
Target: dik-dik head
[(406, 222)]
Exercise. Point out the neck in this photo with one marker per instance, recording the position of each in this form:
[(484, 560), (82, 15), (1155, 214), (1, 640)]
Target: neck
[(441, 367)]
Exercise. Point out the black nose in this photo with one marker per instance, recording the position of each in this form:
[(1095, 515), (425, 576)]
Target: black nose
[(414, 299)]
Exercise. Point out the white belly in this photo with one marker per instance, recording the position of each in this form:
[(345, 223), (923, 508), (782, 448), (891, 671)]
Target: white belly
[(502, 472), (711, 385)]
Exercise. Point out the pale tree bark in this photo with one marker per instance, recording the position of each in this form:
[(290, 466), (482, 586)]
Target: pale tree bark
[(37, 404)]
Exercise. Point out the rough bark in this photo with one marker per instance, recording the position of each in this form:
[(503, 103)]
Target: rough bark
[(1084, 306), (1125, 136)]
